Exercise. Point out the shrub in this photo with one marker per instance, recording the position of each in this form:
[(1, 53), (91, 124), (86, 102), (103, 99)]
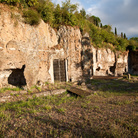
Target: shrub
[(31, 17), (31, 3), (47, 14), (57, 15), (72, 20), (123, 43), (131, 47), (11, 2)]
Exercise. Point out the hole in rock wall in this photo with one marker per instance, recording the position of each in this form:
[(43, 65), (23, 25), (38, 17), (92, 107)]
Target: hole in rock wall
[(98, 69), (17, 78), (112, 69), (125, 69), (107, 72)]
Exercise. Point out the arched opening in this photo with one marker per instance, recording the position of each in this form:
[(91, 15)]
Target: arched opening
[(16, 78), (112, 69)]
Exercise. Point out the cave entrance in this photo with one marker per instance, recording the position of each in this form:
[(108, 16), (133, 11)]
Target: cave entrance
[(60, 70), (112, 69), (17, 78)]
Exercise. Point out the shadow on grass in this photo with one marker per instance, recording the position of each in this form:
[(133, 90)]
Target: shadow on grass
[(61, 128), (114, 86)]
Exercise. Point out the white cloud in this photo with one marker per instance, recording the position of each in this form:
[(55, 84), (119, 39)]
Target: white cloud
[(133, 30), (118, 13), (126, 2)]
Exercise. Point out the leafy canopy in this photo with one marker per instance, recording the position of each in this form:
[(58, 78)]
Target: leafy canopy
[(68, 14)]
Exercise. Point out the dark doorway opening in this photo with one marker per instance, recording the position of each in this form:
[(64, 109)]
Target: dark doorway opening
[(112, 69), (59, 70), (17, 78)]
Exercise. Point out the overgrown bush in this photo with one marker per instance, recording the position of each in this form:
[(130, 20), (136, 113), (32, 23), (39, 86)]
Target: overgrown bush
[(47, 12), (11, 2), (68, 14), (133, 44), (31, 17), (123, 43)]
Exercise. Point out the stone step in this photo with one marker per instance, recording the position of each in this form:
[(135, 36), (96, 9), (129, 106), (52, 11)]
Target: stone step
[(78, 91)]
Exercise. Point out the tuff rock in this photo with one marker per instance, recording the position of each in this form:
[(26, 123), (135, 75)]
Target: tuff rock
[(32, 55)]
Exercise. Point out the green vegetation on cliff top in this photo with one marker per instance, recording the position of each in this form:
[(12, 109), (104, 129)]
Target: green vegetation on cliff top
[(68, 14)]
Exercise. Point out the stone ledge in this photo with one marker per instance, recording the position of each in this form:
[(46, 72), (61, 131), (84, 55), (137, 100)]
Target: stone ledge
[(20, 96)]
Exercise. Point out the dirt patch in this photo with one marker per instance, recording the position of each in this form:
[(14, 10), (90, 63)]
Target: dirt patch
[(104, 113)]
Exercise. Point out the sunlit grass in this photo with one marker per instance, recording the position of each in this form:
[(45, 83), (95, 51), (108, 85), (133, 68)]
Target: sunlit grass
[(108, 112), (2, 90)]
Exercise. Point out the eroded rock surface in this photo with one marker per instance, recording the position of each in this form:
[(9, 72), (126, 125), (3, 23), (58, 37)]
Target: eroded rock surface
[(35, 48), (101, 61), (133, 62), (33, 54)]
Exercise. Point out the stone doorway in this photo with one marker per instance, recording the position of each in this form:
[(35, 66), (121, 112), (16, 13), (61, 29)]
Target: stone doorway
[(59, 66)]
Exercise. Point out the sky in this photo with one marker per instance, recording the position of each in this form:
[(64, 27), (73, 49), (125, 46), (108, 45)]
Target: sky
[(122, 14)]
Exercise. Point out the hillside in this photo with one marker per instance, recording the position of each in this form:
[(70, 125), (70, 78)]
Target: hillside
[(68, 14), (45, 51), (37, 54)]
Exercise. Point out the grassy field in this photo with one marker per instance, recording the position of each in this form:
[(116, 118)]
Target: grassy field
[(110, 111)]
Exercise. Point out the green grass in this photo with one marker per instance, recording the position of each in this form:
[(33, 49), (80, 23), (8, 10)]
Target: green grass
[(106, 113), (61, 110), (116, 87), (2, 90)]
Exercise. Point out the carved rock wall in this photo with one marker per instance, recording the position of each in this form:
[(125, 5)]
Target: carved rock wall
[(32, 49), (107, 62), (27, 53), (101, 61)]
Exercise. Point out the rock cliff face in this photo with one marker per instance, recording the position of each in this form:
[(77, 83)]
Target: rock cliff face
[(107, 62), (133, 62), (34, 54), (27, 53), (102, 62)]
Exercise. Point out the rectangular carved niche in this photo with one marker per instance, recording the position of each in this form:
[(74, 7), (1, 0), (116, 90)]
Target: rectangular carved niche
[(59, 70)]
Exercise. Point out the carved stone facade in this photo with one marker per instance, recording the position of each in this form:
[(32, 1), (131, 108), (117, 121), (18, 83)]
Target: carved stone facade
[(101, 61), (30, 51), (27, 53)]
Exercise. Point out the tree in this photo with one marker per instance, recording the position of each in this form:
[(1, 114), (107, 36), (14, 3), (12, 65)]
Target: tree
[(101, 25), (47, 12), (133, 43), (57, 15), (124, 36), (67, 6), (123, 43), (107, 28), (12, 2), (68, 13), (31, 17), (83, 13), (95, 20), (121, 34), (115, 31), (31, 3), (135, 39)]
